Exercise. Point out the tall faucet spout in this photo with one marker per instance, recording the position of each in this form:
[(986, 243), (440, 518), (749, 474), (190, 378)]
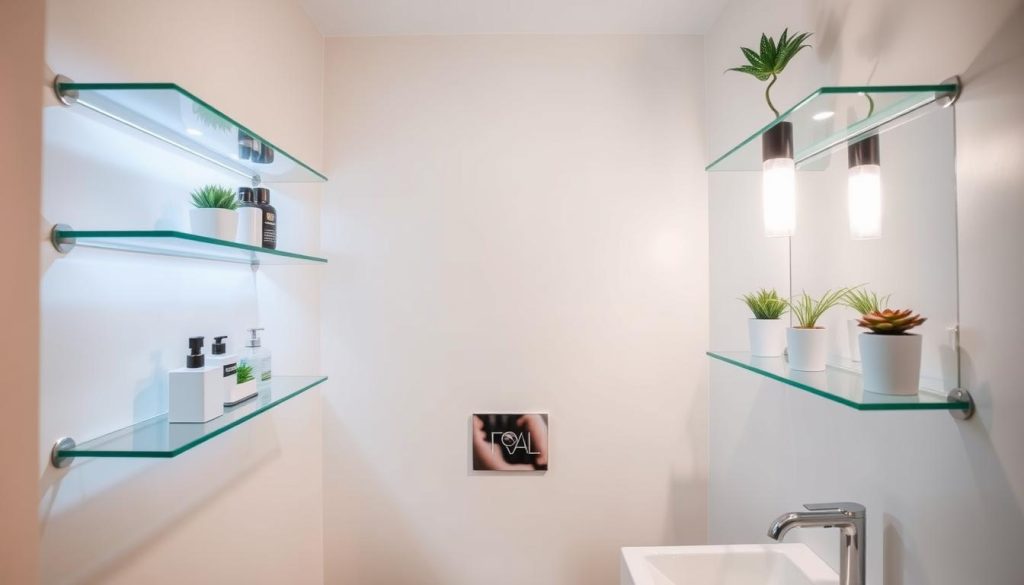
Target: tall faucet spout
[(848, 517)]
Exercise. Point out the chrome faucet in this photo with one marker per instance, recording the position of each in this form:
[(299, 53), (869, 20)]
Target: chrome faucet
[(848, 517)]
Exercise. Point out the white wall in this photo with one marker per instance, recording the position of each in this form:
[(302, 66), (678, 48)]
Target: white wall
[(21, 61), (246, 506), (515, 223), (944, 498)]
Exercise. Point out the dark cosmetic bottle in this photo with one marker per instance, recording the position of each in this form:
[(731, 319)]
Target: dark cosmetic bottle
[(244, 146), (269, 217)]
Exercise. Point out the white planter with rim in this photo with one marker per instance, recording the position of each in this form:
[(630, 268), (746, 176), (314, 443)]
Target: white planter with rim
[(853, 331), (807, 348), (767, 337), (214, 222), (891, 363)]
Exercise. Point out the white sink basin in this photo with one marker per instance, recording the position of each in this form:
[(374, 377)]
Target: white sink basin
[(744, 564)]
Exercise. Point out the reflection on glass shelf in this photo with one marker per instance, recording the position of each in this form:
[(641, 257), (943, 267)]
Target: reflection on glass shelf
[(158, 438), (831, 117), (174, 116), (836, 384), (181, 244)]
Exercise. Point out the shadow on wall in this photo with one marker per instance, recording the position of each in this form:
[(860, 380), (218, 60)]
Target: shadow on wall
[(135, 503)]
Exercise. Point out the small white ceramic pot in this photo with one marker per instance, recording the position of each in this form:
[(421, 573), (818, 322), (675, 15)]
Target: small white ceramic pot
[(853, 331), (767, 337), (807, 348), (250, 226), (891, 363), (214, 222)]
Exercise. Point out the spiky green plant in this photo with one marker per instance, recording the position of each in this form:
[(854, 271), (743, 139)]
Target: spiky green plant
[(864, 301), (808, 310), (214, 196), (772, 59), (210, 118), (765, 304), (891, 322), (244, 373)]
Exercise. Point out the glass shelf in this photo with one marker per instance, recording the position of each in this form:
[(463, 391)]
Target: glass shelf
[(156, 437), (837, 384), (831, 117), (181, 244), (174, 116)]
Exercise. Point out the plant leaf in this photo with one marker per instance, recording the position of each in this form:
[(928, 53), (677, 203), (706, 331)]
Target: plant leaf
[(753, 57), (760, 75)]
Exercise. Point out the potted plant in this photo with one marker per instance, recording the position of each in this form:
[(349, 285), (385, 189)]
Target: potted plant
[(767, 331), (246, 380), (892, 356), (807, 342), (213, 214), (863, 301)]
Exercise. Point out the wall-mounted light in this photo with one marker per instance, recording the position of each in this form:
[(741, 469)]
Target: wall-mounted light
[(823, 115), (778, 181), (864, 189)]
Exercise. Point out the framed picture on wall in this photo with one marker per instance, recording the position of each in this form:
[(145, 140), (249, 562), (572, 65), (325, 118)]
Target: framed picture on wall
[(510, 442)]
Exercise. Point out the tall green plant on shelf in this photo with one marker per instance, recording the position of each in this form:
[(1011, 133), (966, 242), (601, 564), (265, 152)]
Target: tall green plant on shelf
[(809, 310), (864, 301), (771, 60), (214, 196), (765, 304), (244, 373)]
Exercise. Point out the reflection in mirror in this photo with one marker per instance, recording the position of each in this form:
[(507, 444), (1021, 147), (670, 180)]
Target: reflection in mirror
[(883, 214)]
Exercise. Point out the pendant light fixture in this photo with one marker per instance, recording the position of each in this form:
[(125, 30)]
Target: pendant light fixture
[(864, 189), (778, 181)]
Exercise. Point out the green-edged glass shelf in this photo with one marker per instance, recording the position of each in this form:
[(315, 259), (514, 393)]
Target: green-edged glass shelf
[(831, 117), (837, 384), (157, 438), (176, 117), (180, 244)]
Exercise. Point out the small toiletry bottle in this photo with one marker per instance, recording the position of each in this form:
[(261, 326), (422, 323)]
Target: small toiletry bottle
[(196, 392), (259, 358), (250, 218), (244, 145), (269, 217), (228, 365)]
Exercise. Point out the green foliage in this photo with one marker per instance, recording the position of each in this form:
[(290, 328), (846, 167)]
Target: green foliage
[(808, 310), (772, 59), (244, 373), (209, 118), (214, 196), (864, 301), (890, 322), (765, 304)]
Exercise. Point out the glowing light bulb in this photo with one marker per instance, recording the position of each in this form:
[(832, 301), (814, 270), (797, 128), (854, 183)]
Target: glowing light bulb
[(778, 192), (864, 196)]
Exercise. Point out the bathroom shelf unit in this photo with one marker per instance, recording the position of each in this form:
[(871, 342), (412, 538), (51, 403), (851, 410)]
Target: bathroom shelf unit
[(157, 438), (174, 243), (176, 117), (844, 386), (831, 117)]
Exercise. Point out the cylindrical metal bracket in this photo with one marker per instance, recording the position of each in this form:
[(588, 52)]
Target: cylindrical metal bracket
[(65, 96), (60, 243), (865, 151), (59, 461), (961, 395), (949, 98), (777, 142)]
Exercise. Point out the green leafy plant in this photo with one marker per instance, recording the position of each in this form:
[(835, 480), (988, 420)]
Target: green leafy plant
[(209, 118), (891, 322), (808, 310), (864, 301), (244, 373), (772, 59), (214, 196), (765, 304)]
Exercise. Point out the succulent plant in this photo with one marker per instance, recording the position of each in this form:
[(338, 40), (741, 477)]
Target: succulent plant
[(771, 59), (808, 310), (244, 373), (864, 301), (765, 304), (891, 322), (214, 196)]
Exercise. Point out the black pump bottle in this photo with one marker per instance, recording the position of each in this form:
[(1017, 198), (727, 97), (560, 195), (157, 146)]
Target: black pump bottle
[(269, 217)]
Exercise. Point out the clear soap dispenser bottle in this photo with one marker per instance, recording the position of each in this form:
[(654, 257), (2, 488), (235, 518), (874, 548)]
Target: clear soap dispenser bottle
[(259, 358)]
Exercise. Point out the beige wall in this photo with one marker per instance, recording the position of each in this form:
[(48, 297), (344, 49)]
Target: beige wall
[(247, 505), (516, 223), (945, 498), (21, 61)]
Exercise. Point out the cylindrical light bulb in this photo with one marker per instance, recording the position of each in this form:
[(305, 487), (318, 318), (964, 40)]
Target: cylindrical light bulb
[(864, 195), (778, 193)]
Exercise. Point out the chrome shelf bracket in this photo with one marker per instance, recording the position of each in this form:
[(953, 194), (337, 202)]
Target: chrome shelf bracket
[(56, 458), (61, 244), (961, 395)]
